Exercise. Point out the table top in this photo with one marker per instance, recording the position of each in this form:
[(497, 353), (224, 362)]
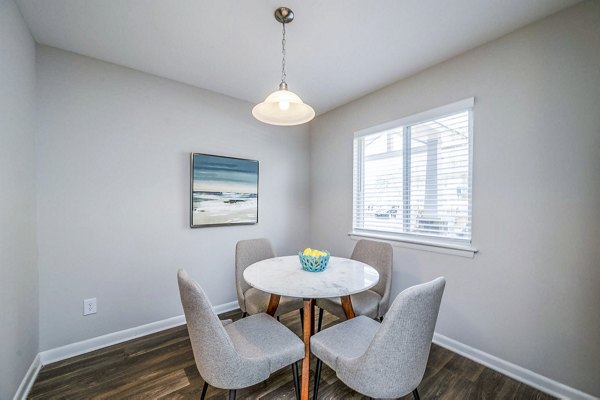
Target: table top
[(285, 276)]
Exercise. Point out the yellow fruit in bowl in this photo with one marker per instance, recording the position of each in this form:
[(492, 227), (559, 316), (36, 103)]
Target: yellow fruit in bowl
[(313, 252)]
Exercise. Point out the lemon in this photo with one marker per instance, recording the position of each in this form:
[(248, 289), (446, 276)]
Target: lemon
[(313, 252)]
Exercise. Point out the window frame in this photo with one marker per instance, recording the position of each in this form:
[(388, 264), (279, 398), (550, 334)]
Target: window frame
[(421, 242)]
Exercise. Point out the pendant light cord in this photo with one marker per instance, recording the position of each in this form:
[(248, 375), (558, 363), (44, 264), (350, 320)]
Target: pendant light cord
[(283, 75)]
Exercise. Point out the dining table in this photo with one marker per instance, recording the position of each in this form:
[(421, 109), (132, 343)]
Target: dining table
[(284, 276)]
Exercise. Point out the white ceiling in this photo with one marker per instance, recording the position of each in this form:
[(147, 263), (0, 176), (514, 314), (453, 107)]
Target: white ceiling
[(337, 50)]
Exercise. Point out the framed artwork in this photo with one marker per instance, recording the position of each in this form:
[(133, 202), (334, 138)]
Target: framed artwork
[(224, 191)]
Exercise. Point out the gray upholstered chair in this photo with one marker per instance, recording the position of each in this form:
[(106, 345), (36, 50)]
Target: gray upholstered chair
[(386, 359), (251, 300), (235, 355), (374, 302)]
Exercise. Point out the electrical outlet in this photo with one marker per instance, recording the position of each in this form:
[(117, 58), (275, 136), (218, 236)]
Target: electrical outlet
[(89, 306)]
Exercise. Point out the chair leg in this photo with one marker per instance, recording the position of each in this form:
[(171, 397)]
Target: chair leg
[(244, 314), (317, 378), (278, 318), (231, 394), (320, 320), (296, 382), (302, 319), (204, 389), (416, 394)]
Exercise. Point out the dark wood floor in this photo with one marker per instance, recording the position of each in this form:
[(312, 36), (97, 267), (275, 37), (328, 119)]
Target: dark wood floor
[(161, 365)]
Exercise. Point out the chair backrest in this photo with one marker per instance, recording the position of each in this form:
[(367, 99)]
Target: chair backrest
[(379, 255), (395, 361), (247, 252), (213, 350)]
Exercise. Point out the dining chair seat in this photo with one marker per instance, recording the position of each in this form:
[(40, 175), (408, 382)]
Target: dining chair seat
[(364, 303), (349, 340), (260, 336), (257, 301)]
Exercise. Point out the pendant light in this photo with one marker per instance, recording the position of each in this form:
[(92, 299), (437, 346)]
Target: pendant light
[(283, 107)]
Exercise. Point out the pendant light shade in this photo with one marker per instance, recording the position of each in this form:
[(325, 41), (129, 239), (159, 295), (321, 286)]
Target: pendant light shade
[(283, 107)]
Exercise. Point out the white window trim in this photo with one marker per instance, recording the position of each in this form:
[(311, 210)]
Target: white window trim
[(410, 241), (438, 112)]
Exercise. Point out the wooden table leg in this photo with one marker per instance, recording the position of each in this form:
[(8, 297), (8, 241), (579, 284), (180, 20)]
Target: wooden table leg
[(273, 303), (313, 303), (347, 306), (308, 327)]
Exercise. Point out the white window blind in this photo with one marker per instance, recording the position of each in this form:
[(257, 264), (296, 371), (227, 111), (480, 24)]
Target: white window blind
[(412, 177)]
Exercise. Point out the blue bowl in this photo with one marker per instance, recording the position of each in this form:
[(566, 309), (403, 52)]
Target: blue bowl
[(312, 263)]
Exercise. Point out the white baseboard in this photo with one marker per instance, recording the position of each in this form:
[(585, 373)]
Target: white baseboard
[(85, 346), (221, 308), (514, 371), (27, 382)]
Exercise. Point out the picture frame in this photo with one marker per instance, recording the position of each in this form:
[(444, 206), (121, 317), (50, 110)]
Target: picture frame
[(223, 190)]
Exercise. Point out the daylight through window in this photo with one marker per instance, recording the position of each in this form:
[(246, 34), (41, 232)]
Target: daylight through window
[(412, 177)]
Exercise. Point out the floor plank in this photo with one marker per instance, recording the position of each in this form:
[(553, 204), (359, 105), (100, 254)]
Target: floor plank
[(161, 366)]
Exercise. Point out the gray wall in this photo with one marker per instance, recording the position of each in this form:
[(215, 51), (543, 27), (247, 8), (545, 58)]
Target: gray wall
[(18, 270), (113, 193), (531, 295)]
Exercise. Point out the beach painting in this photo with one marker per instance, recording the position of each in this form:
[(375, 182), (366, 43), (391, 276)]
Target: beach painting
[(224, 190)]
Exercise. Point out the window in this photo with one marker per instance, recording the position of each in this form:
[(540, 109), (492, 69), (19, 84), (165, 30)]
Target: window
[(412, 177)]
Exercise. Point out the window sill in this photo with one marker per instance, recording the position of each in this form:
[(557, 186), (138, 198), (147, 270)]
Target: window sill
[(423, 245)]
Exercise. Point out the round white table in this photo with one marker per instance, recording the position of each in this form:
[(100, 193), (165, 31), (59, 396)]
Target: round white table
[(284, 276)]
